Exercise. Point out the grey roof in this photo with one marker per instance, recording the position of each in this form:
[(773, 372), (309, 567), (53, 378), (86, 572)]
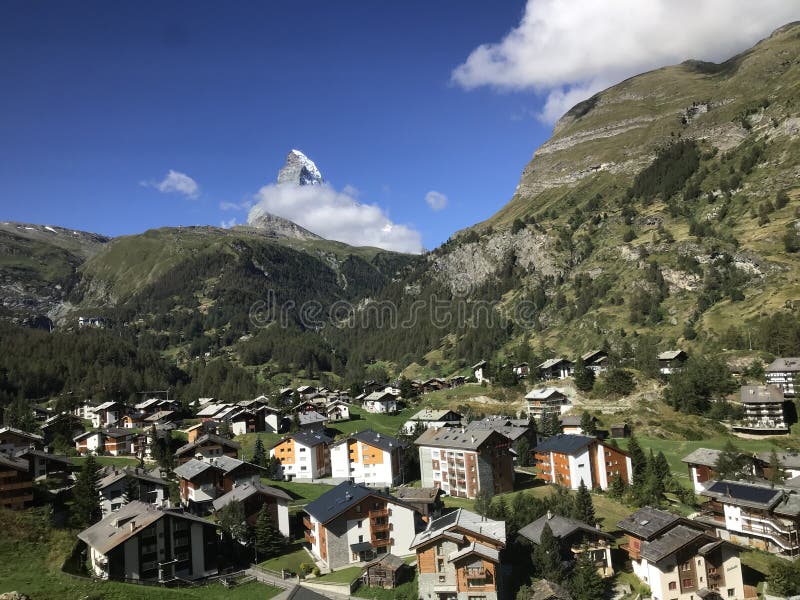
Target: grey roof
[(784, 365), (543, 394), (162, 414), (513, 429), (117, 432), (380, 397), (428, 414), (114, 529), (761, 394), (311, 417), (455, 437), (462, 519), (596, 354), (788, 460), (66, 460), (416, 494), (191, 469), (344, 496), (483, 550), (479, 364), (706, 457), (547, 590), (209, 437), (18, 464), (670, 542), (310, 439), (386, 443), (647, 522), (560, 526), (390, 561), (670, 354), (111, 475), (552, 362), (244, 491), (570, 420), (564, 443), (19, 432)]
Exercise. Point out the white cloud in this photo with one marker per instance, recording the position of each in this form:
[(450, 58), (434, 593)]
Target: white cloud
[(335, 216), (436, 200), (175, 182), (227, 224), (229, 206), (571, 49)]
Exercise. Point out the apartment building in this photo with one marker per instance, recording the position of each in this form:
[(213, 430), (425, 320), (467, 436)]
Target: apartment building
[(370, 458), (458, 557), (763, 408), (462, 462), (569, 459), (782, 372), (543, 403), (353, 524), (16, 483), (208, 445), (203, 481), (678, 560), (304, 455)]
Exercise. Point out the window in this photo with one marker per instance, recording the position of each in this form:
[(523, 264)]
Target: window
[(361, 539), (673, 585), (359, 525), (687, 583), (686, 567), (731, 592)]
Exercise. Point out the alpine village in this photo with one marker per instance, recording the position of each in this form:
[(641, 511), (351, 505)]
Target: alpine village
[(615, 416)]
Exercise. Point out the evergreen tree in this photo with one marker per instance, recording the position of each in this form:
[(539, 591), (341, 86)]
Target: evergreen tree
[(483, 502), (584, 507), (232, 520), (618, 487), (588, 424), (86, 495), (553, 424), (652, 489), (407, 389), (268, 540), (133, 489), (638, 461), (586, 583), (731, 463), (259, 453), (274, 470), (583, 376), (523, 451), (661, 467), (547, 556), (776, 471)]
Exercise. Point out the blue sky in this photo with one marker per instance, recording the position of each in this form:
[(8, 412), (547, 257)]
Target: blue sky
[(392, 100)]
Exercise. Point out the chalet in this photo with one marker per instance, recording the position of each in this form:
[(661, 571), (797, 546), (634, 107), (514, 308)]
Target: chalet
[(64, 425), (435, 418), (352, 523), (306, 391), (311, 420), (141, 542), (783, 372), (596, 361), (210, 446), (16, 483), (702, 465), (458, 557), (572, 424), (763, 408), (147, 407), (90, 442), (380, 402), (254, 496), (118, 442), (543, 403), (761, 516), (462, 462), (107, 414), (676, 558), (426, 500), (304, 455), (132, 421), (387, 572), (456, 381), (209, 411), (162, 418), (575, 538), (479, 371), (620, 430), (12, 439), (118, 486), (556, 368), (522, 370), (671, 361), (203, 481), (246, 421), (368, 457), (43, 465), (199, 430), (789, 462), (205, 401), (513, 429), (432, 385), (569, 459), (273, 419), (337, 411)]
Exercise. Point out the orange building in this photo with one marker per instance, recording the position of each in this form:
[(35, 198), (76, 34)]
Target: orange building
[(16, 483), (569, 459), (304, 455)]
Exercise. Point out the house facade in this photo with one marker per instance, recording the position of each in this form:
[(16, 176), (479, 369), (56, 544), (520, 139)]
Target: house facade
[(16, 483), (304, 455), (12, 440), (203, 481), (702, 467), (254, 496), (764, 410), (118, 486), (352, 524), (368, 457), (458, 557), (429, 417), (462, 462), (208, 445), (569, 459), (782, 372), (380, 403), (543, 403), (556, 368), (671, 361)]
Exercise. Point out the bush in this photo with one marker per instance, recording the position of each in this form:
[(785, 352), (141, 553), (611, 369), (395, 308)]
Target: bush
[(629, 235)]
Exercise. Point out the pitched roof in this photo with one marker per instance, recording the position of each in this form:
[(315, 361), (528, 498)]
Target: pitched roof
[(311, 417), (784, 365), (761, 394), (560, 526), (344, 496), (788, 460), (593, 354), (670, 542), (429, 414), (244, 491), (564, 443), (740, 493), (311, 439), (162, 414), (390, 561), (706, 457), (111, 475), (647, 522), (547, 590), (670, 354), (375, 439), (415, 494), (19, 432), (192, 468), (478, 365), (208, 437), (462, 519), (382, 396), (18, 464), (456, 437), (543, 394), (481, 550), (552, 362)]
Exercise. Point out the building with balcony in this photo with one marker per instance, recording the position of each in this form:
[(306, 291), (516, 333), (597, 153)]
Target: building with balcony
[(12, 440), (304, 455), (436, 418), (254, 496), (352, 524), (543, 403), (16, 483), (462, 462), (208, 445), (569, 459), (203, 481), (118, 486), (458, 557), (370, 458), (763, 410), (576, 539), (782, 372), (141, 542), (678, 559), (760, 516), (556, 368)]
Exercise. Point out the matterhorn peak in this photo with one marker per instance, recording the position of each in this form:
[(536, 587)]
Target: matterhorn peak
[(299, 170)]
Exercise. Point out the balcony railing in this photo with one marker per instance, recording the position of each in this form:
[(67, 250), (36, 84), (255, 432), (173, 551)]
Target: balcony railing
[(375, 514), (382, 541), (307, 523), (310, 538), (475, 572)]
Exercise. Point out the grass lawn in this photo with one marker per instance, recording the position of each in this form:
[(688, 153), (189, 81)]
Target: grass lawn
[(405, 590), (290, 561), (120, 461), (346, 575)]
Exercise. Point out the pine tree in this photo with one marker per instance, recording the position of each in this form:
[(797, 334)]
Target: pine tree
[(483, 502), (588, 425), (132, 489), (618, 486), (584, 507), (583, 376), (586, 583), (776, 472), (86, 495), (638, 461), (523, 451), (731, 463), (232, 520), (547, 556), (259, 453), (662, 468), (268, 540)]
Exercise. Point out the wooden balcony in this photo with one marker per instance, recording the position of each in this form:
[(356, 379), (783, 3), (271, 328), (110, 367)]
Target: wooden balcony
[(377, 542), (475, 572), (374, 514), (310, 538), (307, 524)]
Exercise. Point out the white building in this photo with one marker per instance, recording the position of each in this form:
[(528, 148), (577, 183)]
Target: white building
[(380, 402), (782, 372), (304, 455), (368, 457), (429, 417)]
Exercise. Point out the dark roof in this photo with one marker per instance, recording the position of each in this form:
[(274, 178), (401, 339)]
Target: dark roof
[(547, 590), (670, 542), (209, 437), (415, 494), (564, 443), (376, 440), (647, 522), (344, 496), (244, 491), (761, 394), (306, 438), (66, 460), (454, 437), (390, 561), (744, 494), (18, 464), (560, 526), (302, 593)]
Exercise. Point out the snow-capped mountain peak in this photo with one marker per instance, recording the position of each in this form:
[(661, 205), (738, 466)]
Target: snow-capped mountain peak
[(299, 170)]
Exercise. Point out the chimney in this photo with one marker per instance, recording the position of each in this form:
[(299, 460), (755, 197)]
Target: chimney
[(549, 515), (132, 526)]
